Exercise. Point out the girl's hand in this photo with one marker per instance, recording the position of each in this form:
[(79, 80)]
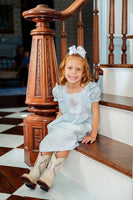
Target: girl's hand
[(89, 138)]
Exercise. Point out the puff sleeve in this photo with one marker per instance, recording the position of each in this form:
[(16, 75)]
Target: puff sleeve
[(93, 92), (57, 92)]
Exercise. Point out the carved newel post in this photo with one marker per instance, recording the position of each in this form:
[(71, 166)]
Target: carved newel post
[(42, 78)]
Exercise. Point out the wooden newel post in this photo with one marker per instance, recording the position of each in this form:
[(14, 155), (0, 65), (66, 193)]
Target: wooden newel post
[(41, 79)]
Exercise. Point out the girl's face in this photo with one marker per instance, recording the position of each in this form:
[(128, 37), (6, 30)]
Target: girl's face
[(74, 69)]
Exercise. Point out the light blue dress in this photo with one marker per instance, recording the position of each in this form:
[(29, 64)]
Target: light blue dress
[(65, 132)]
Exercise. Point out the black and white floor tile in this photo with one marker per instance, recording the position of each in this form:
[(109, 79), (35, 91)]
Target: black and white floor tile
[(12, 164)]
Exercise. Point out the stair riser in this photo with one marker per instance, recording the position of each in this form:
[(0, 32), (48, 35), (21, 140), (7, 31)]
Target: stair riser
[(116, 124), (118, 81), (99, 180)]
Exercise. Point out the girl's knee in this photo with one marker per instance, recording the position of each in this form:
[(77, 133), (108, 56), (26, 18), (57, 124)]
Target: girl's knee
[(62, 154)]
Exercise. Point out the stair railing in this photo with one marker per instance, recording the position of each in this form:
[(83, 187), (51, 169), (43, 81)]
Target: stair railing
[(112, 31)]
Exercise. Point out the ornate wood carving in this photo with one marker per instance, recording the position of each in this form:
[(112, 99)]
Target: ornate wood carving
[(42, 79), (48, 69), (80, 30), (26, 138), (124, 32), (111, 31), (37, 137), (30, 71), (38, 86)]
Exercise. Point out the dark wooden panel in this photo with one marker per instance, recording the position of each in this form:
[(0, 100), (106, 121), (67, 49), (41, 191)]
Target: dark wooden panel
[(116, 66), (10, 178), (3, 114), (16, 197), (4, 150), (121, 102), (114, 154), (21, 146), (13, 121), (17, 130)]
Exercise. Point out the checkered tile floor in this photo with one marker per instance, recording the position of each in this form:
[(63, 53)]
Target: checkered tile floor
[(12, 165)]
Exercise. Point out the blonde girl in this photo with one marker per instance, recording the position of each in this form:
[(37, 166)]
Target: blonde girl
[(77, 120)]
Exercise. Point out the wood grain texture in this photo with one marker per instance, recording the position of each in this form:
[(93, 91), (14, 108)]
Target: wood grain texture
[(10, 178), (120, 102), (114, 154), (16, 197), (116, 65), (4, 150), (13, 121), (17, 130)]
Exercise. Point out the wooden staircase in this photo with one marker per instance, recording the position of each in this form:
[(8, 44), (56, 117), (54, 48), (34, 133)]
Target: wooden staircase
[(103, 168)]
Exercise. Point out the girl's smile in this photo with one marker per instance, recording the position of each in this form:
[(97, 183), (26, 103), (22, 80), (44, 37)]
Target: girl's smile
[(74, 70)]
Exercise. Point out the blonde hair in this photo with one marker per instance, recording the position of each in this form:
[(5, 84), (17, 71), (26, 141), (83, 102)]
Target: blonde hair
[(87, 75)]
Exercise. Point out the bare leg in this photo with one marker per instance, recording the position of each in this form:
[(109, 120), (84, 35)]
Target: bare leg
[(46, 153), (62, 154), (59, 154)]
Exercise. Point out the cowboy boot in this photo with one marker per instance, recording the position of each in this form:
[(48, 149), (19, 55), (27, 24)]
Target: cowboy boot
[(40, 164), (47, 177)]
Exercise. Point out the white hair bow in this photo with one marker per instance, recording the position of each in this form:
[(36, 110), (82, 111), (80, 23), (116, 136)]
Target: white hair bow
[(80, 50)]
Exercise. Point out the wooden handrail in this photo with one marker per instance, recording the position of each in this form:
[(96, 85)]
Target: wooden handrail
[(73, 9), (54, 15)]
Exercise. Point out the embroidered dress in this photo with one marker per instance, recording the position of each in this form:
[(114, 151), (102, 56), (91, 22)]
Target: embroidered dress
[(66, 131)]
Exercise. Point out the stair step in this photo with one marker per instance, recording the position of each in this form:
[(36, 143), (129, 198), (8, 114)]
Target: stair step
[(116, 65), (112, 153), (116, 121), (117, 80), (120, 102), (98, 179)]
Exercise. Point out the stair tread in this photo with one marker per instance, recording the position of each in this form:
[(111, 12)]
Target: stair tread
[(116, 65), (112, 153), (121, 102)]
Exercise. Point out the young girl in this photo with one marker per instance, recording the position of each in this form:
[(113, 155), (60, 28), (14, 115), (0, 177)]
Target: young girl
[(77, 120)]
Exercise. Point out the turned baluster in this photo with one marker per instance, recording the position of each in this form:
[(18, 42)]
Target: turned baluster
[(124, 32), (111, 31), (80, 30), (63, 41), (96, 43)]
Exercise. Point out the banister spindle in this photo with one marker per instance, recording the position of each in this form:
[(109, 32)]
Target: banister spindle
[(111, 31), (80, 30), (63, 41), (96, 43), (124, 32)]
